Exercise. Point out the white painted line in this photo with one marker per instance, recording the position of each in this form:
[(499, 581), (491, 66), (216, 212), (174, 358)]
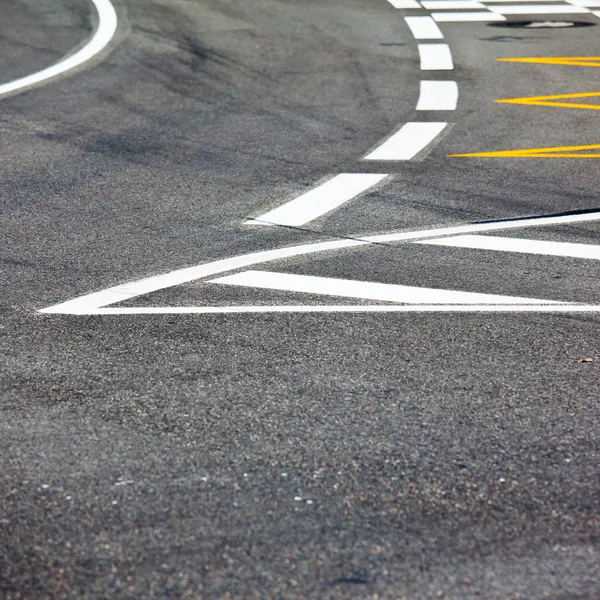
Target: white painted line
[(537, 9), (481, 227), (586, 3), (438, 95), (404, 3), (321, 200), (503, 244), (365, 290), (107, 26), (435, 57), (120, 293), (596, 13), (96, 302), (515, 1), (424, 28), (406, 143), (465, 17), (452, 5), (341, 308)]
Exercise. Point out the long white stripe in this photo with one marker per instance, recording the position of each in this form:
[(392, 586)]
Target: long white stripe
[(94, 302), (451, 5), (435, 57), (321, 200), (404, 3), (480, 227), (424, 28), (406, 143), (438, 95), (107, 26), (365, 290), (342, 308), (503, 244), (586, 3), (518, 1), (464, 17), (537, 9)]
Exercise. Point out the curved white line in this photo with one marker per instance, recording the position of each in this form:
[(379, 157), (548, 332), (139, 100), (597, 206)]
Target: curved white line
[(96, 302), (107, 26)]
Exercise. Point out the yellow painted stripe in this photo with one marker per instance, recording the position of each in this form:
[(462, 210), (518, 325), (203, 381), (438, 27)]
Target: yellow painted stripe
[(578, 61), (556, 152)]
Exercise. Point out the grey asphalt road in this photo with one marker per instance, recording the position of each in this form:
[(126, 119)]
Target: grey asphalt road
[(318, 455)]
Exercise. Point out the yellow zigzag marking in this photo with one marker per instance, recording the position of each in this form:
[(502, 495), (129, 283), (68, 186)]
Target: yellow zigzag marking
[(549, 100)]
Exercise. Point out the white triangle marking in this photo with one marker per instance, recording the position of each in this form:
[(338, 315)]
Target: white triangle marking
[(366, 290)]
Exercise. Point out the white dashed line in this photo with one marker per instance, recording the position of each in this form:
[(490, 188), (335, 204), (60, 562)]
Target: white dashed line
[(435, 57), (321, 200), (365, 290), (406, 143), (438, 95), (464, 17), (107, 26), (503, 244), (424, 28)]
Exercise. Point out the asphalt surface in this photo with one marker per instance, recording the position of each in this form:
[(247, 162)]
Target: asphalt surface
[(385, 455)]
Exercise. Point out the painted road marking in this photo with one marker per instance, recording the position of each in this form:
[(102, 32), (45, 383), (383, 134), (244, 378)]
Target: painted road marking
[(586, 3), (404, 3), (107, 27), (556, 152), (365, 290), (97, 303), (523, 246), (406, 143), (364, 308), (424, 28), (319, 201), (451, 4), (550, 100), (515, 1), (438, 95), (537, 9), (435, 57), (577, 61), (460, 17)]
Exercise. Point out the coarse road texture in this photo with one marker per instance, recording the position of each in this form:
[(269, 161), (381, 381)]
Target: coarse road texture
[(316, 455)]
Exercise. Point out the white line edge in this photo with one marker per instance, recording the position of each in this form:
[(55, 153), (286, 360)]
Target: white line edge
[(107, 26)]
